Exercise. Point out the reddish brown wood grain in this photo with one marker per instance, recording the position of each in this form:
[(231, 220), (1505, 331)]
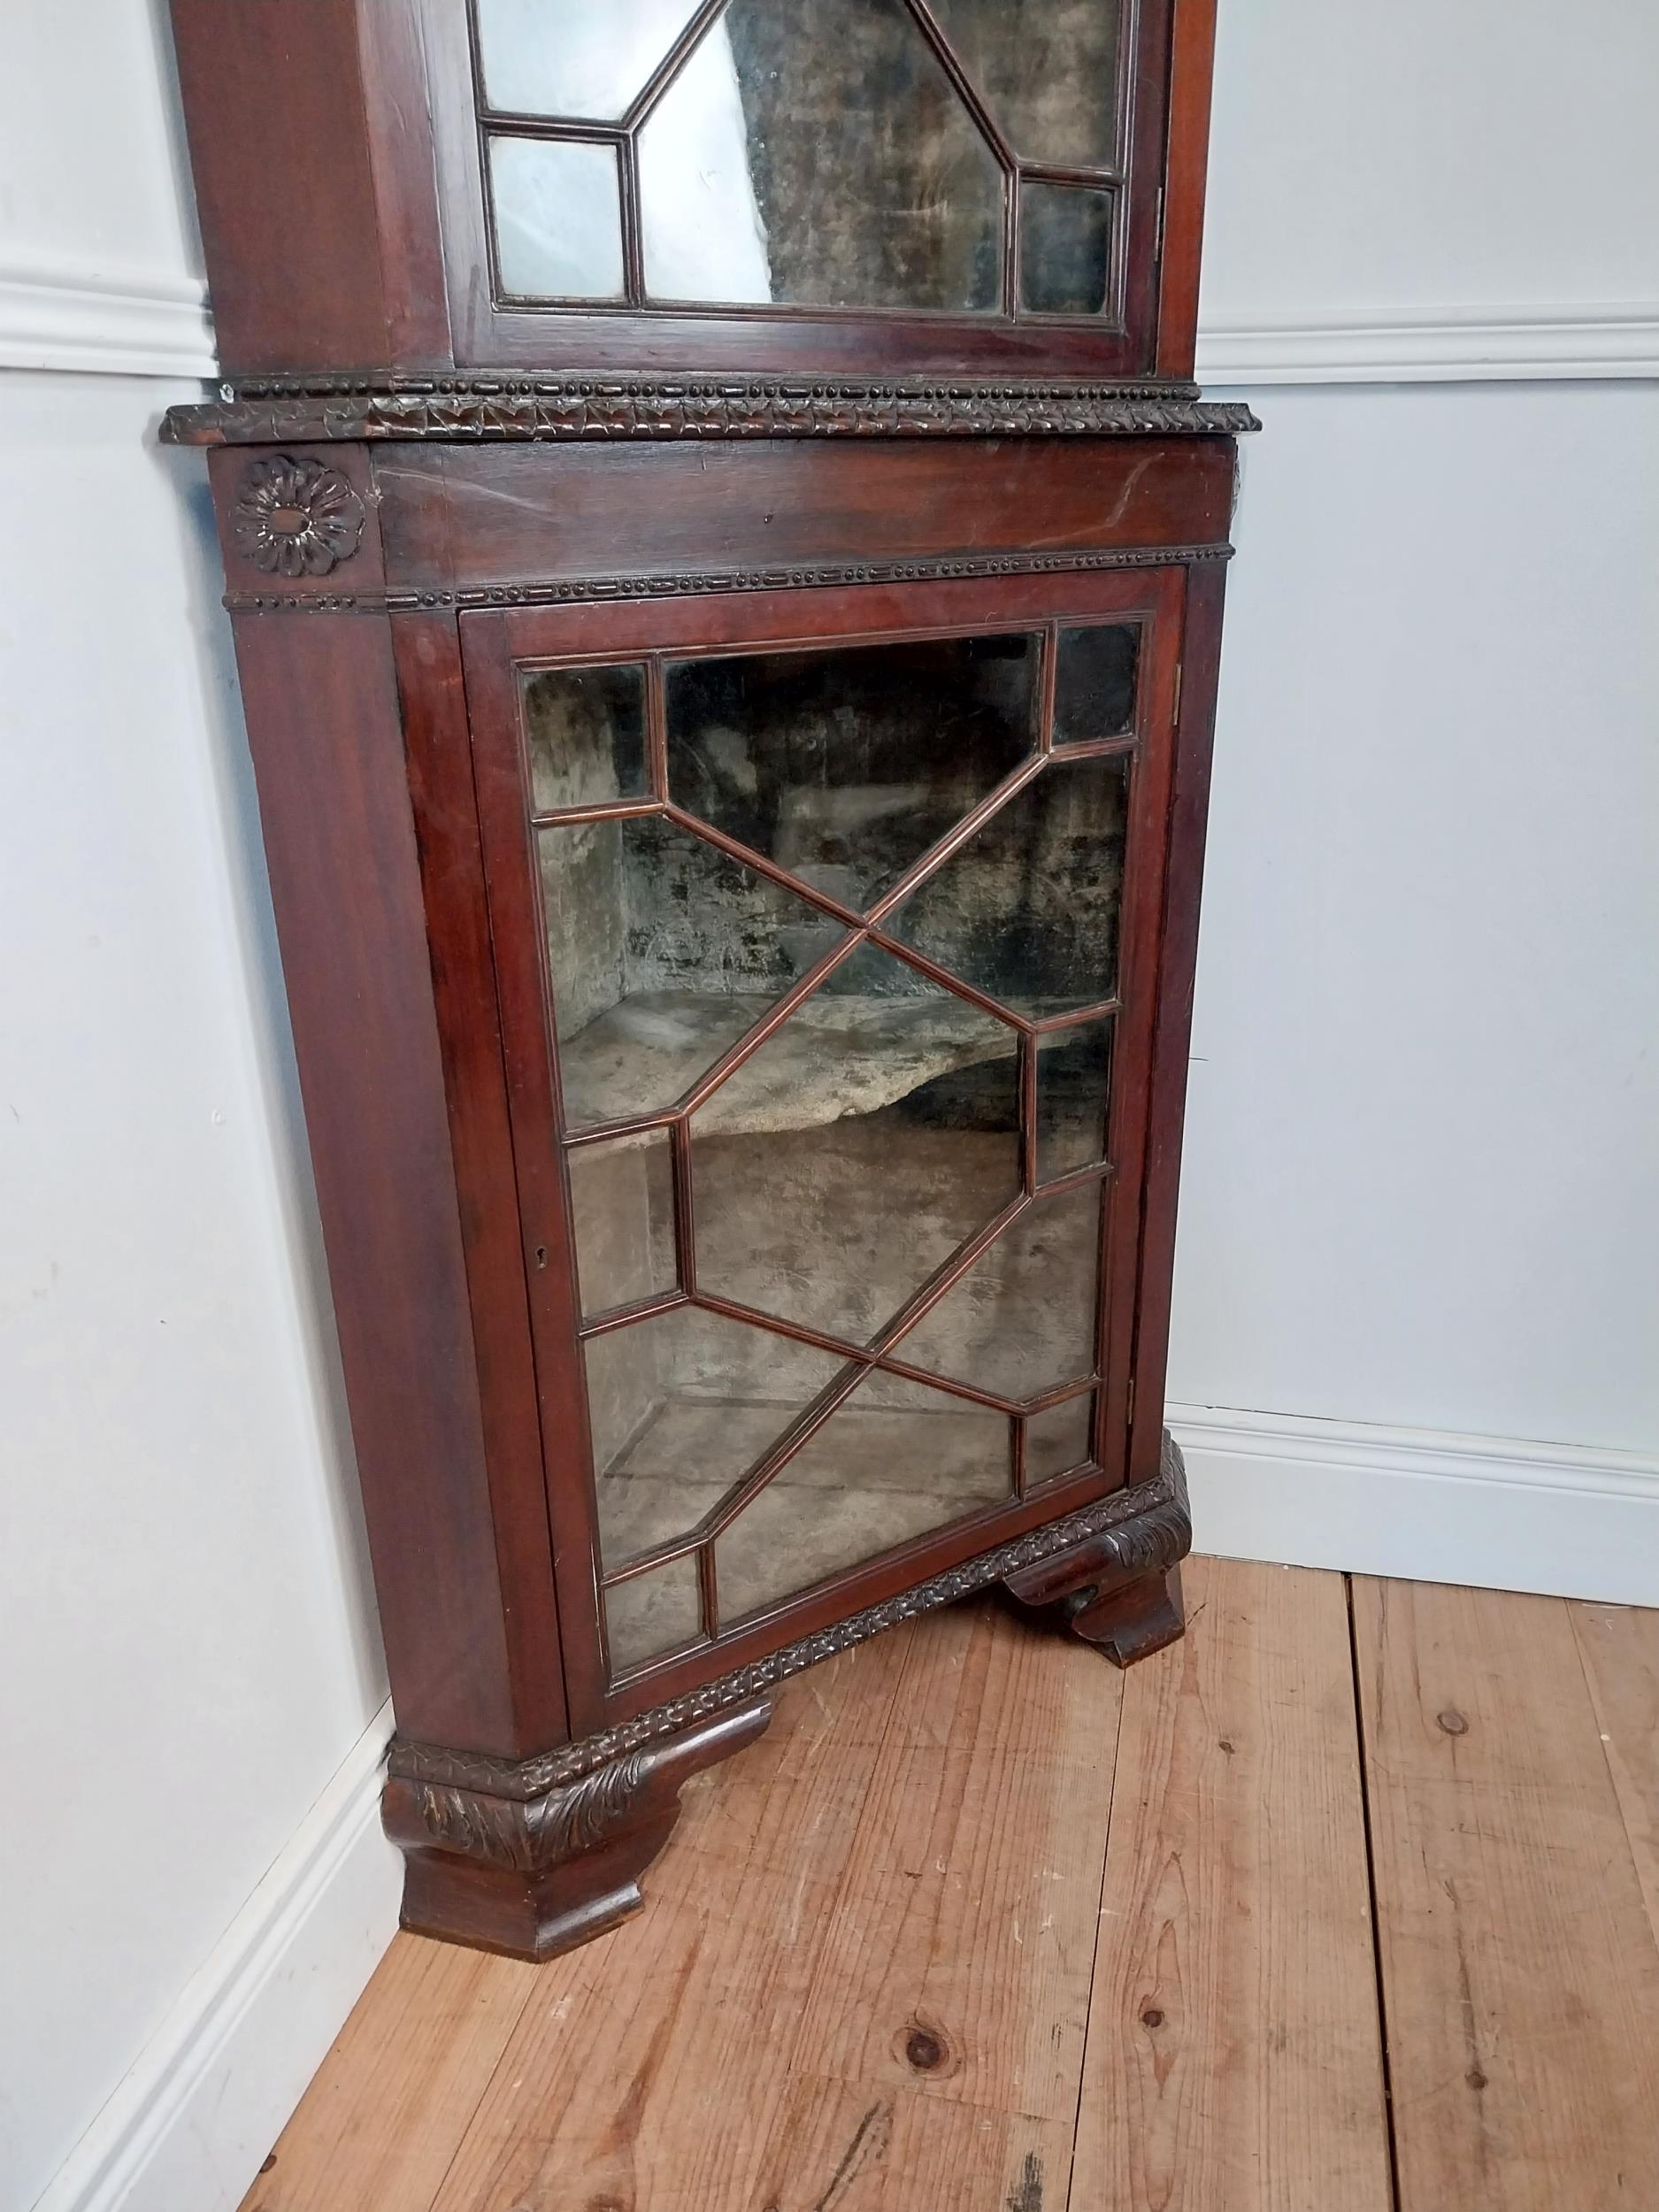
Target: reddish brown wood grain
[(452, 517), (323, 719), (1189, 814), (317, 255), (1191, 69), (427, 649)]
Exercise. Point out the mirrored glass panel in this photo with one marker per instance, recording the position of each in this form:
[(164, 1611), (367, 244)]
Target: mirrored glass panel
[(573, 57), (1059, 1439), (819, 156), (861, 1145), (1064, 249), (558, 218), (845, 765), (661, 952), (585, 728), (1094, 676), (653, 1613), (1021, 1321), (1028, 909), (622, 1208), (1046, 70), (681, 1406), (895, 1461), (1074, 1073)]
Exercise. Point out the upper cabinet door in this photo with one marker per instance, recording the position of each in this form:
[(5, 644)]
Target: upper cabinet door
[(938, 188), (868, 185)]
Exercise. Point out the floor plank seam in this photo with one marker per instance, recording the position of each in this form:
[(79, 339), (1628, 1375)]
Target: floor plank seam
[(1094, 1970), (1370, 1892)]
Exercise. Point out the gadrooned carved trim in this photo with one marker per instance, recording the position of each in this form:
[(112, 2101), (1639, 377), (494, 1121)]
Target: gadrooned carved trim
[(1147, 1530), (310, 412), (296, 517), (575, 589)]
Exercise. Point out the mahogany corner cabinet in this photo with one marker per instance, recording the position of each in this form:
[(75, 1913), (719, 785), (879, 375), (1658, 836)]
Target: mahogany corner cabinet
[(725, 559)]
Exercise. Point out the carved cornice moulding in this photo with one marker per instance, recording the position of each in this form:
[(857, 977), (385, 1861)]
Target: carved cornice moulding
[(1146, 1528), (575, 590), (500, 409)]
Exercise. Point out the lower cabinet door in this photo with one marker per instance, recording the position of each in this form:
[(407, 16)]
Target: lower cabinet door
[(825, 924)]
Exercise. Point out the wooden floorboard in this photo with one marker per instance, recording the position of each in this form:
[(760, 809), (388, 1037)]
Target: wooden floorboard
[(384, 2117), (655, 2068), (958, 1961), (1235, 2052), (1519, 1970), (981, 1925), (1619, 1645)]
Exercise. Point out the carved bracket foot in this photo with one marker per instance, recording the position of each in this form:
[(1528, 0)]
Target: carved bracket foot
[(532, 1872), (1121, 1590)]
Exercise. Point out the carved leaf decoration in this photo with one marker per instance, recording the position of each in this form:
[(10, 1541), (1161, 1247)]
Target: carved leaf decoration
[(296, 518)]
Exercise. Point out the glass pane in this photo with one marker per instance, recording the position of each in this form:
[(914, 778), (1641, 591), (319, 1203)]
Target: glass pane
[(894, 1462), (585, 729), (1094, 682), (845, 765), (653, 1613), (1046, 70), (863, 1144), (568, 58), (1059, 1439), (819, 156), (1074, 1073), (661, 952), (622, 1204), (1028, 909), (558, 218), (1064, 249), (1021, 1321), (681, 1407)]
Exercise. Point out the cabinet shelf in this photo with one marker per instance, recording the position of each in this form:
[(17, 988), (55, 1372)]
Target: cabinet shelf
[(837, 1055)]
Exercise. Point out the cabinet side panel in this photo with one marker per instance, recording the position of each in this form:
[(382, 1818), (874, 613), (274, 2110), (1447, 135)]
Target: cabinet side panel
[(1189, 810), (435, 735), (273, 102), (1192, 67), (322, 711)]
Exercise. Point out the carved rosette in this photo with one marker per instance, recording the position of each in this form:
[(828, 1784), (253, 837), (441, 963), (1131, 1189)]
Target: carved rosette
[(296, 517)]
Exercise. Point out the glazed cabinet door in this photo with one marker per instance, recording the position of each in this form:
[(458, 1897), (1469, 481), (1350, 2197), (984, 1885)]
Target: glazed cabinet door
[(824, 923), (873, 186)]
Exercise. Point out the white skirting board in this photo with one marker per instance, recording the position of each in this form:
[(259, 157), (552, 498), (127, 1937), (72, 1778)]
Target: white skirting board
[(1421, 1504), (189, 2126)]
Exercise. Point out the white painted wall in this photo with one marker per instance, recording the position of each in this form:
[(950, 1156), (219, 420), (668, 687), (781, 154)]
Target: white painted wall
[(1416, 1303), (187, 1649)]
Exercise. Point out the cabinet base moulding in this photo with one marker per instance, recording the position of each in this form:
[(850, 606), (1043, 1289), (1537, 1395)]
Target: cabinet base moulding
[(533, 1857), (533, 1877)]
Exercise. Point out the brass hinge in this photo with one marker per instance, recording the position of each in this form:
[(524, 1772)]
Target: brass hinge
[(1180, 671), (1158, 251), (1129, 1416)]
